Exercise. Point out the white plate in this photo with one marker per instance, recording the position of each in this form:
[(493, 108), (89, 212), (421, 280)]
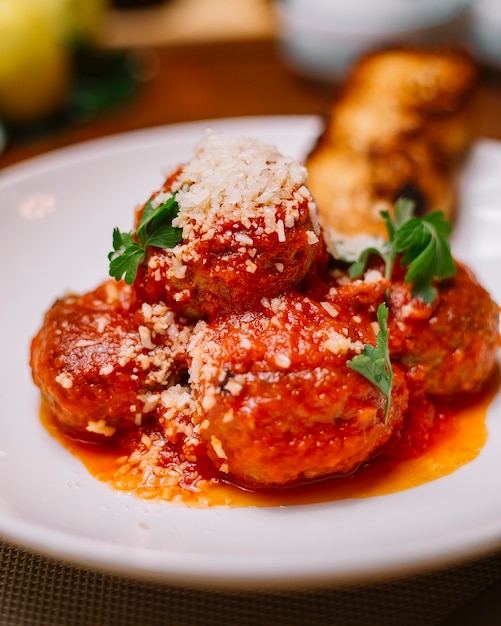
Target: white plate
[(57, 213)]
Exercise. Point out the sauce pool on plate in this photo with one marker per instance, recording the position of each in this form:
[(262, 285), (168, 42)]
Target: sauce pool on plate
[(462, 434)]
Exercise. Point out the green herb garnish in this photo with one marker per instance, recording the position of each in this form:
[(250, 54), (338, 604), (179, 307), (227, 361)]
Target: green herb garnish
[(422, 242), (155, 229), (374, 362), (424, 248)]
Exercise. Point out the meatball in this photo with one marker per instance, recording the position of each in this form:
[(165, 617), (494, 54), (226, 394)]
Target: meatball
[(256, 237), (449, 346), (101, 360), (277, 403)]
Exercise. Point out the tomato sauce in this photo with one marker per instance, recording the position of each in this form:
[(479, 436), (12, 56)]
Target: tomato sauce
[(459, 440)]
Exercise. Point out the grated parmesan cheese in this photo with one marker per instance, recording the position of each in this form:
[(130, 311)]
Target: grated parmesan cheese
[(100, 427), (281, 231), (65, 379), (264, 180), (209, 400), (244, 239), (145, 337), (372, 277), (330, 308), (233, 387), (217, 446), (282, 361), (85, 343), (106, 370), (311, 237), (337, 343), (250, 266)]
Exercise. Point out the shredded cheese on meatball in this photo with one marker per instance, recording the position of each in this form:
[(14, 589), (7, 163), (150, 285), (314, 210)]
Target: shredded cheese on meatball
[(263, 179)]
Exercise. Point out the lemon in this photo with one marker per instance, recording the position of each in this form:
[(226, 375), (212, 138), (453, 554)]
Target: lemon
[(35, 66), (36, 49), (76, 20)]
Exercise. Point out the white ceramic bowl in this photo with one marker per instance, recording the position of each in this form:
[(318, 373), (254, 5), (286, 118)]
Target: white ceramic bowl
[(322, 38), (485, 30)]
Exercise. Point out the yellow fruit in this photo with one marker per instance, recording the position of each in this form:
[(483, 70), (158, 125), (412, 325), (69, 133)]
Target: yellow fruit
[(35, 64), (77, 20)]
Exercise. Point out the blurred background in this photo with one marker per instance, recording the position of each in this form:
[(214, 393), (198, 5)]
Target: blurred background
[(72, 63)]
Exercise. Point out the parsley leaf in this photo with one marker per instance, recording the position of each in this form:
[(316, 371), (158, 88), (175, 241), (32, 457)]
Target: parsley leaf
[(422, 242), (374, 362), (424, 248), (357, 268), (155, 229), (129, 255), (426, 253)]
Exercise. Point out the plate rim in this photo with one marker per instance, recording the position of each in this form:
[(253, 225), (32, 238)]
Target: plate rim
[(48, 543)]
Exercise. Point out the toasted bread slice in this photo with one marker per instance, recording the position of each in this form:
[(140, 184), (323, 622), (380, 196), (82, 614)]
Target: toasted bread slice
[(399, 128)]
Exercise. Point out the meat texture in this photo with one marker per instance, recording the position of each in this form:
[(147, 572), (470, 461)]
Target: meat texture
[(97, 355), (254, 239), (277, 403), (448, 347)]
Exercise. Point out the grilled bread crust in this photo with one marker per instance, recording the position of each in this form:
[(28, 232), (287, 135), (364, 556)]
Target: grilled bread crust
[(399, 127)]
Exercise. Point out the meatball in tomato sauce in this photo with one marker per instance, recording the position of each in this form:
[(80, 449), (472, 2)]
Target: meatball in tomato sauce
[(101, 359), (254, 238), (277, 403), (448, 347)]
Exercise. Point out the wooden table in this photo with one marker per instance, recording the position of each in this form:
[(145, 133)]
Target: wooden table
[(192, 82)]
